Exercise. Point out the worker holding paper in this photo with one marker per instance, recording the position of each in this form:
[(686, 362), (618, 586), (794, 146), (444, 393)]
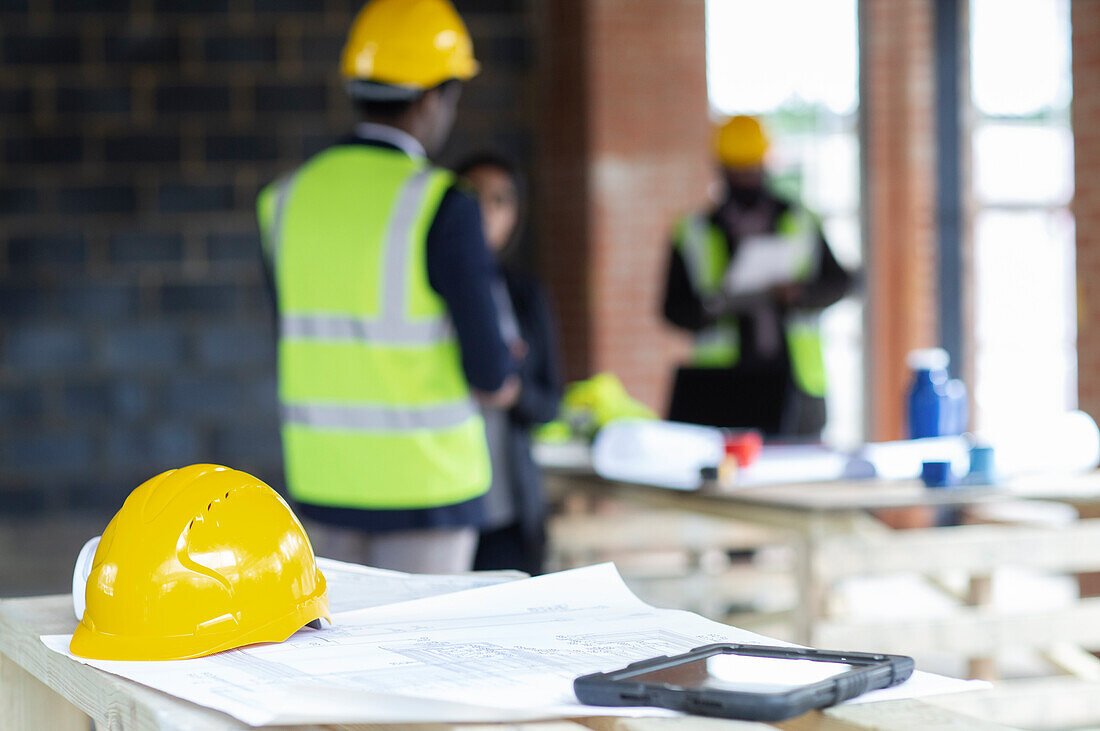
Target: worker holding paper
[(387, 325), (749, 279)]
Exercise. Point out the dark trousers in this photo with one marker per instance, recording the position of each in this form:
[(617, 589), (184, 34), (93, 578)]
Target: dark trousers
[(511, 547)]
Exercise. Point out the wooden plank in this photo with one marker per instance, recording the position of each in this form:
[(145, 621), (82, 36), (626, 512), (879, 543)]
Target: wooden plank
[(1074, 661), (1058, 702), (779, 624), (981, 595), (737, 586), (811, 590), (905, 714), (563, 725), (850, 495), (655, 530), (779, 516), (27, 704), (684, 723), (916, 715), (909, 714), (970, 631), (109, 700), (971, 548)]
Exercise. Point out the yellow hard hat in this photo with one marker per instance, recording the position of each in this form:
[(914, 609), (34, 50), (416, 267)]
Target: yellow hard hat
[(740, 142), (416, 44), (198, 560)]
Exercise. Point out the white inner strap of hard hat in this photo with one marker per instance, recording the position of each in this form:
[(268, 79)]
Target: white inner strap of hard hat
[(81, 572)]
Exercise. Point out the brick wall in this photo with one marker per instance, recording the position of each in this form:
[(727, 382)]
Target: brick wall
[(626, 126), (136, 332), (898, 97), (561, 189), (1086, 203)]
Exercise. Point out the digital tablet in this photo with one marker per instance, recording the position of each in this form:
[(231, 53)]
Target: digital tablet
[(748, 682)]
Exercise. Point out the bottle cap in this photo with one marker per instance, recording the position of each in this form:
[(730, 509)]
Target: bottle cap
[(981, 463), (744, 446), (928, 359), (937, 474)]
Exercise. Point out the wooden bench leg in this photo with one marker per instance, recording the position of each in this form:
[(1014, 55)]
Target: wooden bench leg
[(981, 594), (26, 704)]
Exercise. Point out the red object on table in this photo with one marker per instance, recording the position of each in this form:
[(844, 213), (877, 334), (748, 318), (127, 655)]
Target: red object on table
[(744, 446)]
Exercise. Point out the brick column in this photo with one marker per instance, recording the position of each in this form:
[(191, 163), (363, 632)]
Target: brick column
[(625, 134), (898, 94), (1086, 202)]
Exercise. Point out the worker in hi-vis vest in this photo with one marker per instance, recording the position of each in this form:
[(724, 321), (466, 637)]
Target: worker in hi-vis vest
[(388, 330), (749, 278)]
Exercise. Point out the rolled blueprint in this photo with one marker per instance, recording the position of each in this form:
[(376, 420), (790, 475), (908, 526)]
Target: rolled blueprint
[(663, 453), (1068, 442)]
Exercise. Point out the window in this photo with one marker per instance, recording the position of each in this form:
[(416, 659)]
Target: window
[(802, 79), (1024, 326)]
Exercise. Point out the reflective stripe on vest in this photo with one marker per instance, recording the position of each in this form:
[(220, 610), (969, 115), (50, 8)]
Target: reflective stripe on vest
[(706, 258), (379, 418), (376, 410), (331, 327)]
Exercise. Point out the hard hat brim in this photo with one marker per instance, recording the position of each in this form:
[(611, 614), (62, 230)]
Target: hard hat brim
[(92, 644)]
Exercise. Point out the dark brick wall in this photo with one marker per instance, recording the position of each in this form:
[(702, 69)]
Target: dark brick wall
[(135, 327), (1086, 198)]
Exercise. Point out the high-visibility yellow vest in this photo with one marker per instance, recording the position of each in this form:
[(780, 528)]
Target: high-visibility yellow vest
[(376, 410), (706, 255)]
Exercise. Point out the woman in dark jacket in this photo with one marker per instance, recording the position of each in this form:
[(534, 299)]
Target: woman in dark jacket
[(514, 536)]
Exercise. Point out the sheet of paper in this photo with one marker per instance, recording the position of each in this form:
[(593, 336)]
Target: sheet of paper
[(786, 463), (763, 262), (507, 652), (351, 586), (903, 460)]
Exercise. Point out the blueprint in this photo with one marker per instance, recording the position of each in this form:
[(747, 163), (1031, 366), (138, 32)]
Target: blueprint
[(506, 652)]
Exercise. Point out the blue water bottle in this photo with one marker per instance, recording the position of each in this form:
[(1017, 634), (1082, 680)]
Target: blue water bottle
[(930, 408)]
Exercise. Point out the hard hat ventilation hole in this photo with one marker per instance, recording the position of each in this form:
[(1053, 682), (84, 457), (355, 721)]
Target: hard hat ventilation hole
[(208, 506)]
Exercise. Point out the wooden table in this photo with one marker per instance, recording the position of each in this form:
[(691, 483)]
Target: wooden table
[(835, 536), (43, 691)]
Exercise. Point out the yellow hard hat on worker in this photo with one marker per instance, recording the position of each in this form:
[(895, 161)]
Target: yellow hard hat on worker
[(740, 142), (408, 45), (198, 560)]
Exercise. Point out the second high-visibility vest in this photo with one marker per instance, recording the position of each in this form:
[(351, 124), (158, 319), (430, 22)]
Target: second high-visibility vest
[(376, 409), (706, 255)]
